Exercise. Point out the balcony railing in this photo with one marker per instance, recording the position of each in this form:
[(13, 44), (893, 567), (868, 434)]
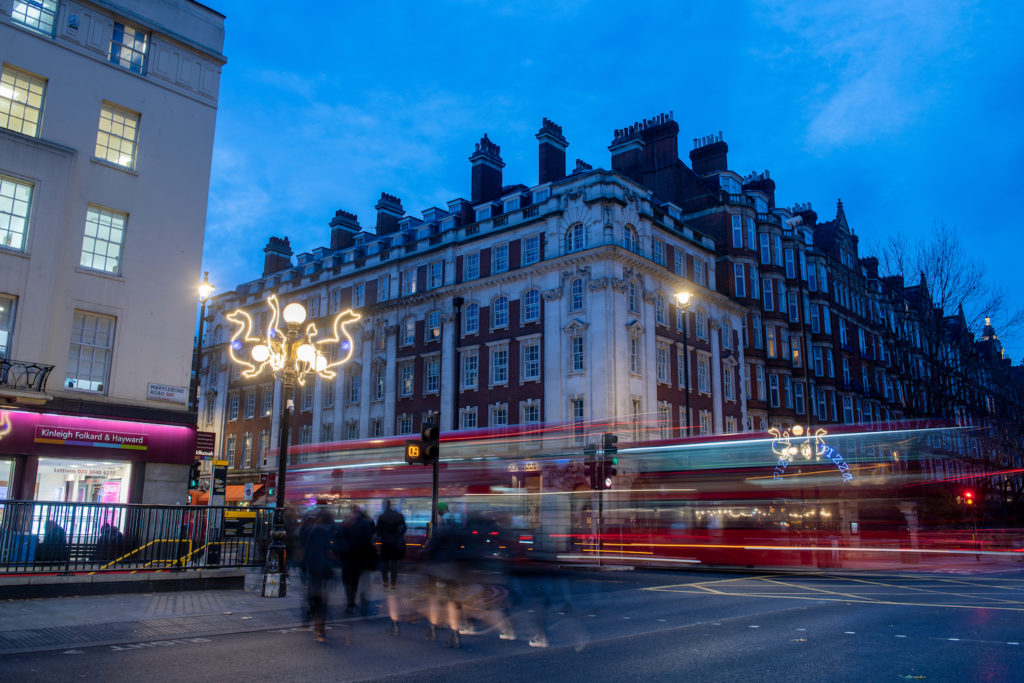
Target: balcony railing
[(769, 218), (23, 375)]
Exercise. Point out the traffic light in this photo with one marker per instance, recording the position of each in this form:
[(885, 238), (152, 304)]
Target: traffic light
[(969, 497), (193, 475), (609, 444), (427, 449), (430, 435), (608, 470)]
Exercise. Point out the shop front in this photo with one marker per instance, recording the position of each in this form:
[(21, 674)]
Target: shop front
[(69, 458)]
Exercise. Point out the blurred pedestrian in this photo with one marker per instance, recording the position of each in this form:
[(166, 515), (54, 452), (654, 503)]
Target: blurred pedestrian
[(318, 570), (109, 545), (391, 533), (357, 554)]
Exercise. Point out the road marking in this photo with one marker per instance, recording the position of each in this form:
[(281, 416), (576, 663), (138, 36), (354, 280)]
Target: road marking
[(72, 652), (752, 626), (850, 633), (899, 636)]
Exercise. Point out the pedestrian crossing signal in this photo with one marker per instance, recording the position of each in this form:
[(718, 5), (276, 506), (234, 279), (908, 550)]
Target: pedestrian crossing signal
[(414, 452)]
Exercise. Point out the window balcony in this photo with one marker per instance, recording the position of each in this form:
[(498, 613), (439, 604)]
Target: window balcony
[(23, 382)]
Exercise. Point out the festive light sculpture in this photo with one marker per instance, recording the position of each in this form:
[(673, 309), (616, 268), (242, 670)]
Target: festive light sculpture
[(289, 355)]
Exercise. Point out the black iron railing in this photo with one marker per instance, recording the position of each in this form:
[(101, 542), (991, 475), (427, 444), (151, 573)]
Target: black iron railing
[(43, 537), (19, 374)]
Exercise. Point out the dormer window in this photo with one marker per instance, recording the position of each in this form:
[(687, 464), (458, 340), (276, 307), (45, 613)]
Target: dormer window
[(483, 212)]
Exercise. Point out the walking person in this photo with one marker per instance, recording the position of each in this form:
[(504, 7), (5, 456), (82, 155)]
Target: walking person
[(317, 569), (391, 533), (357, 554)]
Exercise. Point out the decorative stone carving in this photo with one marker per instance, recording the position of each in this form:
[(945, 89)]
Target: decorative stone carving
[(598, 284), (618, 285), (552, 294)]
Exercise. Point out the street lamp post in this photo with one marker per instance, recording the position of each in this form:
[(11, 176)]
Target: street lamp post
[(290, 356), (683, 303), (205, 290)]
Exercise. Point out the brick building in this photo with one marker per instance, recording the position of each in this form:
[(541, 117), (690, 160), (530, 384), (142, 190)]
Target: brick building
[(555, 303)]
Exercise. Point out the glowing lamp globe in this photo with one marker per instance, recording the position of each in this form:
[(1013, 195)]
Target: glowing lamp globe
[(260, 353), (321, 363), (294, 314), (306, 353), (683, 298)]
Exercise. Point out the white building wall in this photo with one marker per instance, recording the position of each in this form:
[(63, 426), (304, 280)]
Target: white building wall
[(153, 298)]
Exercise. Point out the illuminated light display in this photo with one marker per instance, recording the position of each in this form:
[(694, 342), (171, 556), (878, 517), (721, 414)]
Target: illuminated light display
[(257, 350), (784, 448), (5, 424)]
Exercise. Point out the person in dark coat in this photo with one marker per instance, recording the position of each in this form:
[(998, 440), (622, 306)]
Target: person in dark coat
[(109, 545), (317, 569), (54, 547), (357, 554), (391, 533)]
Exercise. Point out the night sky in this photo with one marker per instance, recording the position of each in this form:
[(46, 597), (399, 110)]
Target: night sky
[(909, 112)]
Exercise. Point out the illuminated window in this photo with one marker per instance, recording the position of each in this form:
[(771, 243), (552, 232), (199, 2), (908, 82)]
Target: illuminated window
[(104, 235), (405, 378), (471, 319), (15, 202), (433, 328), (38, 15), (128, 48), (117, 136), (92, 342), (21, 101)]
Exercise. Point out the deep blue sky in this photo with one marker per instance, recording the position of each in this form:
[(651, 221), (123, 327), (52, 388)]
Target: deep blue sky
[(908, 111)]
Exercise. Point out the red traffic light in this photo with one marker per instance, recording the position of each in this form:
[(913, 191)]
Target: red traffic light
[(969, 497)]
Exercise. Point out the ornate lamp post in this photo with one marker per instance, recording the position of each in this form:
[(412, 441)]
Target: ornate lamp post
[(289, 356), (205, 290), (683, 300)]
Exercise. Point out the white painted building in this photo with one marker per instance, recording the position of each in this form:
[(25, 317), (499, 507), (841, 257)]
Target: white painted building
[(107, 116)]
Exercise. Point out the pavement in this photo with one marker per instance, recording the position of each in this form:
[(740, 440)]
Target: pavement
[(131, 620), (42, 624)]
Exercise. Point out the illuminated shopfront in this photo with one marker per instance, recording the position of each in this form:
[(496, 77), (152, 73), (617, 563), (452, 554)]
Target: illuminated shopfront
[(65, 458), (82, 481)]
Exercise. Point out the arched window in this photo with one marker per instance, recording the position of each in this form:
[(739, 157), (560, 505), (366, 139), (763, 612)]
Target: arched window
[(629, 240), (576, 295), (471, 319), (433, 327), (531, 305), (499, 312), (575, 238)]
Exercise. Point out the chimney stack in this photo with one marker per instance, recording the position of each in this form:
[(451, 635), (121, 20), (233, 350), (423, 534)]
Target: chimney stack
[(389, 210), (709, 154), (762, 182), (344, 227), (277, 255), (550, 152), (805, 211), (486, 176)]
